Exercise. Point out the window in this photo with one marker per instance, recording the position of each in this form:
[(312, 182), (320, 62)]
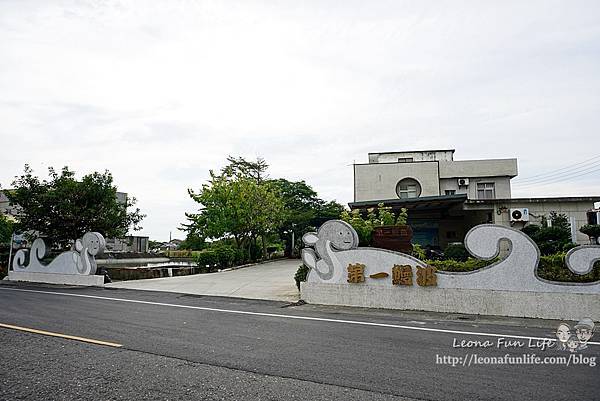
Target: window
[(485, 190), (405, 160), (408, 188), (450, 192)]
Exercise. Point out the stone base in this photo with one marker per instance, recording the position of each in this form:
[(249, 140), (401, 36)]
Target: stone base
[(54, 278), (566, 306)]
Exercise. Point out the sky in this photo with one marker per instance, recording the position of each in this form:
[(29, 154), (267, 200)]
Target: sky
[(160, 92)]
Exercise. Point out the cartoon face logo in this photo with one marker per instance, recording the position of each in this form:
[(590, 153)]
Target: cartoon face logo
[(341, 235), (568, 341), (584, 330), (93, 242), (572, 343), (563, 332)]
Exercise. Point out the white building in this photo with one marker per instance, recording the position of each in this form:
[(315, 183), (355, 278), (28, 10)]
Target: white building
[(446, 197)]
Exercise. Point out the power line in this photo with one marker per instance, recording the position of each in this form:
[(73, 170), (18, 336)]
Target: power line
[(555, 180), (560, 176), (560, 171)]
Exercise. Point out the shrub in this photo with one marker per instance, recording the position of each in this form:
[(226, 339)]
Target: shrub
[(467, 265), (418, 252), (531, 230), (225, 255), (376, 217), (207, 260), (241, 256), (550, 267), (301, 275), (592, 231), (553, 268), (363, 227), (456, 252), (551, 240)]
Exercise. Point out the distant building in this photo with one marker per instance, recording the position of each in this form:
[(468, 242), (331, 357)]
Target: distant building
[(131, 243), (447, 197), (6, 208)]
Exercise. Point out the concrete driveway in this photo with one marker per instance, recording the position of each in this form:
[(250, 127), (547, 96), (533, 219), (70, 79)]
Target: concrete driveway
[(272, 280)]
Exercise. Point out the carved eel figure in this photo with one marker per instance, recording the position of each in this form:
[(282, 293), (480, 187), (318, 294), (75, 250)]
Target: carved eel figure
[(80, 261), (334, 235)]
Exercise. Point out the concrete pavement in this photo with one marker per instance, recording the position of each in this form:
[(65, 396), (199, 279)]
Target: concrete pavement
[(271, 281)]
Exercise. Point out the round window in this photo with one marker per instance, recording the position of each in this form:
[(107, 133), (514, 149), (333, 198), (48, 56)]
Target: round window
[(408, 188)]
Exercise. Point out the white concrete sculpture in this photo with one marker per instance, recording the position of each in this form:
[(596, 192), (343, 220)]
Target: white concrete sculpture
[(518, 270), (81, 261), (509, 287), (580, 260), (335, 247)]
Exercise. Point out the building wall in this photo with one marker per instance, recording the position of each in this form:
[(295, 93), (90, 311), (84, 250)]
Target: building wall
[(132, 243), (417, 156), (501, 184), (5, 207), (478, 168), (378, 181), (538, 209)]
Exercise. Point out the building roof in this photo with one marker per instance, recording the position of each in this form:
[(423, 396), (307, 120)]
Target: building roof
[(563, 199), (413, 151), (423, 202), (444, 201)]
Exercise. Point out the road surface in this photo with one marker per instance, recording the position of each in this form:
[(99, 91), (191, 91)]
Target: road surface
[(174, 346)]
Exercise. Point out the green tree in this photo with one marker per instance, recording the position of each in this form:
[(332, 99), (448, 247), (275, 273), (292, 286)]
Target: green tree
[(6, 229), (303, 210), (240, 167), (193, 242), (63, 208), (236, 205), (326, 211)]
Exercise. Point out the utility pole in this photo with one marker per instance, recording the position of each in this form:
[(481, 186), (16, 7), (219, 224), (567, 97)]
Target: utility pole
[(293, 243), (12, 235)]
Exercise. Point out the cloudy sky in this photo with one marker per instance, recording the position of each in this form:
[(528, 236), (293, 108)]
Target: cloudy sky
[(160, 92)]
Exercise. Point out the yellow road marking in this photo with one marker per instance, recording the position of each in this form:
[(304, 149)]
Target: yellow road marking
[(51, 334)]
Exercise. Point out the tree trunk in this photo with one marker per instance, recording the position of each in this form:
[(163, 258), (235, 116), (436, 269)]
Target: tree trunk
[(264, 247)]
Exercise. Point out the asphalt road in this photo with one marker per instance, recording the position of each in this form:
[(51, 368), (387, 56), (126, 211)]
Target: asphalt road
[(178, 346)]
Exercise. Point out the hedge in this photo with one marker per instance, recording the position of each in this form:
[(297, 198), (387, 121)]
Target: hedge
[(220, 256), (550, 267)]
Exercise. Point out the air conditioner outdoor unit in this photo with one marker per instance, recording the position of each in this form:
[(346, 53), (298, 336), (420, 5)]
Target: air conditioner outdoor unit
[(463, 182), (521, 214)]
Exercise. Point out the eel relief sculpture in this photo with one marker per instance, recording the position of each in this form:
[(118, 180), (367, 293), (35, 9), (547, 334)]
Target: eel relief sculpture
[(332, 236), (79, 261)]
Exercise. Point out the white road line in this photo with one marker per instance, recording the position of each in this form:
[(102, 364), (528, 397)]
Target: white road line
[(318, 319)]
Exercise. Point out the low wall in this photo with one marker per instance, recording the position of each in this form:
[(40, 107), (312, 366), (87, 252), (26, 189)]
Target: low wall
[(131, 261), (569, 306), (141, 273), (56, 278)]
